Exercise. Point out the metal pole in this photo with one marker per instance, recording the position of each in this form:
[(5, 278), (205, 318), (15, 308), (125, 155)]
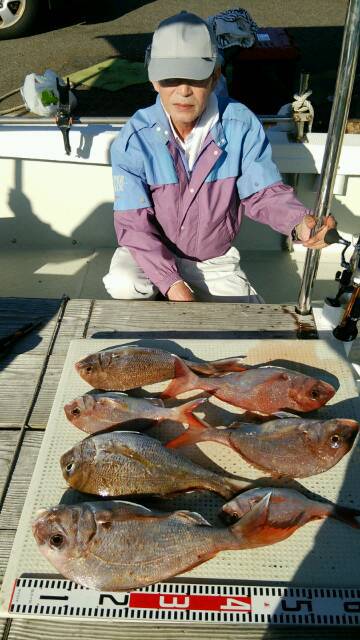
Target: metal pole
[(338, 118)]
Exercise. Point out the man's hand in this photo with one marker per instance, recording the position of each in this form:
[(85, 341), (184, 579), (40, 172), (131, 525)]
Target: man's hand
[(180, 292), (317, 241)]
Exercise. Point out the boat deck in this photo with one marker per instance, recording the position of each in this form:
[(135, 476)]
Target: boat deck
[(29, 376)]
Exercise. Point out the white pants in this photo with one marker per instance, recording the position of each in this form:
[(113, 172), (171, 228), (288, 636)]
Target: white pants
[(216, 279)]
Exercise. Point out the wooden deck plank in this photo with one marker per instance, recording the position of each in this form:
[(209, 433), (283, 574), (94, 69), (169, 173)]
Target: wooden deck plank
[(18, 378), (2, 626), (119, 318), (72, 325), (16, 312), (8, 441), (6, 542), (113, 630), (20, 481)]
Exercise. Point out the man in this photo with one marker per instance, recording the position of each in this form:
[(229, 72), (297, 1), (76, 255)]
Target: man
[(185, 171)]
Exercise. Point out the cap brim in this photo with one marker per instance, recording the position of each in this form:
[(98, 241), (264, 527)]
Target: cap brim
[(187, 68)]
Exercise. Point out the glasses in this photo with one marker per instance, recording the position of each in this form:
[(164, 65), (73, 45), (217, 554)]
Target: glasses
[(175, 82)]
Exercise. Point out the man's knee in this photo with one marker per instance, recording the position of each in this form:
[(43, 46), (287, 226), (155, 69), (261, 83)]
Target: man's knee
[(121, 285)]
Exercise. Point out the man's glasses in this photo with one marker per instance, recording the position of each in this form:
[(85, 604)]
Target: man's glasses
[(175, 82)]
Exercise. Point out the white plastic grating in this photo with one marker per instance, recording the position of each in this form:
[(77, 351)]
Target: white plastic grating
[(319, 554)]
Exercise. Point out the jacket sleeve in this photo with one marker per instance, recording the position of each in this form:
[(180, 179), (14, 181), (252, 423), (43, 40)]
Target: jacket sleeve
[(134, 218), (276, 206), (257, 170)]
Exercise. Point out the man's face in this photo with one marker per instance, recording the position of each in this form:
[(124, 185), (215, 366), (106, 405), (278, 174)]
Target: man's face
[(185, 100)]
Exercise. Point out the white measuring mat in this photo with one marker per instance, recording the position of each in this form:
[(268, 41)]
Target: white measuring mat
[(321, 554)]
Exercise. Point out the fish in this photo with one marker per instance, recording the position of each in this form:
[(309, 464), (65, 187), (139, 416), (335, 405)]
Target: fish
[(289, 447), (288, 511), (121, 463), (258, 389), (129, 366), (118, 546), (96, 411)]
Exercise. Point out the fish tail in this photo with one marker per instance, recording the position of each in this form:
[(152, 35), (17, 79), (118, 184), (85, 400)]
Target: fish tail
[(349, 516), (210, 368), (232, 486), (249, 528), (190, 436), (184, 380), (184, 414), (205, 434)]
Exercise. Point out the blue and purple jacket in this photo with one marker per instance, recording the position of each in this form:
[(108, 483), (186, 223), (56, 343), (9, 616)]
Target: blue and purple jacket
[(162, 210)]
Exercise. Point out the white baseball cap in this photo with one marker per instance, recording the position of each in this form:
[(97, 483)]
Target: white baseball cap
[(183, 46)]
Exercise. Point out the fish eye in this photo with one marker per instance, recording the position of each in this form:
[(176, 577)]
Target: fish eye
[(56, 540), (69, 467), (76, 411), (335, 441), (315, 394)]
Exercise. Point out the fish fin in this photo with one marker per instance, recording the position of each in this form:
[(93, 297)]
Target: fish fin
[(184, 413), (192, 517), (190, 436), (119, 448), (282, 415), (157, 402), (210, 368), (248, 527), (184, 380), (206, 434), (127, 510)]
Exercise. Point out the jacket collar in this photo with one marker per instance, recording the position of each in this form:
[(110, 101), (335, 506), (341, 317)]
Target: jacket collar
[(158, 119)]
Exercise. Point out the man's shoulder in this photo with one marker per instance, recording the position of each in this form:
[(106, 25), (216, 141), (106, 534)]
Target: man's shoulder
[(230, 109), (141, 120)]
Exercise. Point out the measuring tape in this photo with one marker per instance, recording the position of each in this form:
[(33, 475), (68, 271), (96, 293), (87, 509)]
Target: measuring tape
[(183, 602)]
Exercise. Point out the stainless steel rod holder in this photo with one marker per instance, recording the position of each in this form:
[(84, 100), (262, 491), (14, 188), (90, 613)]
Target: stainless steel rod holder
[(337, 124)]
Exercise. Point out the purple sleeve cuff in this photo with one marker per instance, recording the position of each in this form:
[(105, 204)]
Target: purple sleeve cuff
[(276, 206)]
